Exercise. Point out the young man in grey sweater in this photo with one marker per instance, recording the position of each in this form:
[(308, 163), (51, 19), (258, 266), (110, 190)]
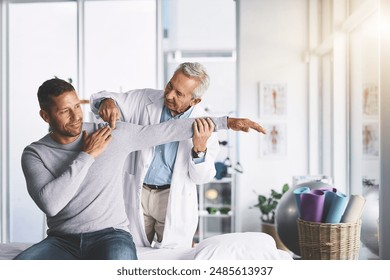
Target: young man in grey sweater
[(74, 175)]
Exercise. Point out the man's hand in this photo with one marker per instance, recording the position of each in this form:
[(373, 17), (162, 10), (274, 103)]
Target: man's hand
[(203, 128), (244, 125), (97, 142), (109, 112)]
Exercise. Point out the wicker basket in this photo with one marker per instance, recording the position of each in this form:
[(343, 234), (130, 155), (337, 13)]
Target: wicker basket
[(323, 241)]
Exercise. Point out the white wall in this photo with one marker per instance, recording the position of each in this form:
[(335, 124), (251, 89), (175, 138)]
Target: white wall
[(272, 40), (192, 30)]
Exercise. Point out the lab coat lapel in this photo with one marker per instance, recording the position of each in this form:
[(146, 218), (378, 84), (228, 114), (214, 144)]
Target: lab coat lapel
[(154, 109)]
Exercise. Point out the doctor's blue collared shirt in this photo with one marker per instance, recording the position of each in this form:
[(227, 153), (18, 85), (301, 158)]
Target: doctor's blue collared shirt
[(161, 167)]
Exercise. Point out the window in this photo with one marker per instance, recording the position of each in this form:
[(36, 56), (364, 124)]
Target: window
[(42, 44), (365, 125), (350, 98), (120, 45), (99, 45)]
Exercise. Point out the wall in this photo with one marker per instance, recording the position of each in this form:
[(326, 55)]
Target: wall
[(201, 24), (272, 39)]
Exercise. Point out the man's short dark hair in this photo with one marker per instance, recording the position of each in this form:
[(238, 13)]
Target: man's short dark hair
[(51, 88)]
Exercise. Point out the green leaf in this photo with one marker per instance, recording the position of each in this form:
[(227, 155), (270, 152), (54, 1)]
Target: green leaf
[(275, 194), (262, 199), (285, 188), (264, 209)]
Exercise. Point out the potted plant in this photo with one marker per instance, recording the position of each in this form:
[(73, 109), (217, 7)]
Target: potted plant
[(267, 206)]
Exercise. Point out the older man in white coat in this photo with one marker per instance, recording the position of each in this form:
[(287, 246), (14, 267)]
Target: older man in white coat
[(166, 176)]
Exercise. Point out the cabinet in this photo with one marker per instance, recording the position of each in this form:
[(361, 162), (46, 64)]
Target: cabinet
[(216, 208)]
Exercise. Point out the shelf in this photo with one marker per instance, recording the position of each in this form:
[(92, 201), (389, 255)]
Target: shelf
[(216, 194), (216, 205), (220, 181), (215, 215)]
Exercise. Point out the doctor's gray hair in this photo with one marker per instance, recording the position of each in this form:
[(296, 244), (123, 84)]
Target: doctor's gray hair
[(196, 71)]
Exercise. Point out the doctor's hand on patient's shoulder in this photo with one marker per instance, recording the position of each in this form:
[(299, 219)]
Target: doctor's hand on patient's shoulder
[(203, 129), (109, 112), (239, 124), (97, 142)]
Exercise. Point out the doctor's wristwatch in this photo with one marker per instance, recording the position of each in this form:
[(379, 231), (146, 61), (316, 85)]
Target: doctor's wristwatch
[(198, 154)]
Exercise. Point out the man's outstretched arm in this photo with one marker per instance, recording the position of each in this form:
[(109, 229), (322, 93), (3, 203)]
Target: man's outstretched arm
[(137, 137)]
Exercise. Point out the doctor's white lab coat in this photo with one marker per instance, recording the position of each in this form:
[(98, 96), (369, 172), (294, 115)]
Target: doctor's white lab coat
[(144, 106)]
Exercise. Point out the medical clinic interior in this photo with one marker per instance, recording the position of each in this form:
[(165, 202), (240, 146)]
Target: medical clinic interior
[(314, 73)]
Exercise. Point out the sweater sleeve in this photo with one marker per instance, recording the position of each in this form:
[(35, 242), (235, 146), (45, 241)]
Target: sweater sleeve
[(51, 193), (137, 137)]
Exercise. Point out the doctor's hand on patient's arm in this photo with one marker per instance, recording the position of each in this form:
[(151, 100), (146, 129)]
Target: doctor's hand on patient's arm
[(109, 112), (97, 142), (245, 125), (203, 129)]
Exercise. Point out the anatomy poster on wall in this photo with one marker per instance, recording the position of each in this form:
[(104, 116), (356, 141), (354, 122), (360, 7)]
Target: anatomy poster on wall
[(272, 100), (274, 143), (370, 135), (370, 101)]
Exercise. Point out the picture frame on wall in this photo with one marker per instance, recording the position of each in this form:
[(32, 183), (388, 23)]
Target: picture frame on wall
[(370, 101), (370, 136), (272, 101), (274, 143)]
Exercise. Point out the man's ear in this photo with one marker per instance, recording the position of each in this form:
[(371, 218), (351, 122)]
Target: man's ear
[(195, 101), (44, 115)]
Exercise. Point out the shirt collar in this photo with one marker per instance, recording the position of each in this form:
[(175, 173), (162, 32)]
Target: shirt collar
[(166, 114)]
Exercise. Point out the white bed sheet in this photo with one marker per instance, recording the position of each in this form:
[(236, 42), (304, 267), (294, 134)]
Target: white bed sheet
[(239, 246), (148, 253)]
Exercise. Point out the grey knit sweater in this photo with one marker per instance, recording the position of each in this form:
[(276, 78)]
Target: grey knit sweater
[(81, 194)]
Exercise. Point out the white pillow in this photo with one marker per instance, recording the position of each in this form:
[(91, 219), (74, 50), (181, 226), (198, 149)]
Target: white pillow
[(239, 246)]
